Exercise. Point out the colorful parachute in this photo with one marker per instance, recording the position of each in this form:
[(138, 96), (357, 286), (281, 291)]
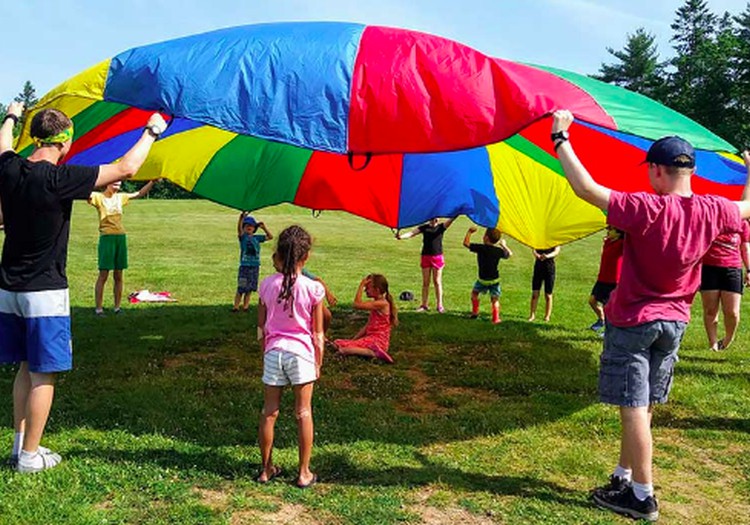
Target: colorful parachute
[(392, 125)]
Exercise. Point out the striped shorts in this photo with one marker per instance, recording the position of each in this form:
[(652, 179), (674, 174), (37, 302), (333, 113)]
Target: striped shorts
[(35, 327), (285, 368)]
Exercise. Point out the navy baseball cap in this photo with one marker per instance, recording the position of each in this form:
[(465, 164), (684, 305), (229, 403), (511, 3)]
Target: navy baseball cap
[(666, 150), (249, 221)]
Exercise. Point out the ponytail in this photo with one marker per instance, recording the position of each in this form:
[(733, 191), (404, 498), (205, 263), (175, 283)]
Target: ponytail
[(293, 246)]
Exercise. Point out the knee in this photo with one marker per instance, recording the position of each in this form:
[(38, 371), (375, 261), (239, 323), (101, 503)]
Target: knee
[(303, 414), (270, 413), (39, 379)]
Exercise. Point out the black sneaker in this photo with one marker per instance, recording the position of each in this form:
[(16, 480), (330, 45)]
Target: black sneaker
[(616, 484), (625, 503)]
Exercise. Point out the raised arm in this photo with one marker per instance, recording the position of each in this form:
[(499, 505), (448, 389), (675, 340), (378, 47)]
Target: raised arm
[(447, 224), (262, 226), (467, 237), (584, 186), (359, 304), (132, 161), (239, 223), (408, 235), (506, 247), (554, 253), (744, 204), (15, 110), (144, 190)]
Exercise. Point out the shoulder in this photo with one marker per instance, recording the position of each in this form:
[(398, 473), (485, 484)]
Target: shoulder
[(9, 156), (315, 289)]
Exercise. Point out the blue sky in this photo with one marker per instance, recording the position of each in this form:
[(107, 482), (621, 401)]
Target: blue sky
[(47, 41)]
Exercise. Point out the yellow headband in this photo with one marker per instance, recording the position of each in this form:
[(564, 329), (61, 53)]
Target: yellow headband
[(61, 137)]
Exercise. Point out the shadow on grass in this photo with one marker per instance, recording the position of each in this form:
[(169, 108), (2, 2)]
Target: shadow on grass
[(193, 372)]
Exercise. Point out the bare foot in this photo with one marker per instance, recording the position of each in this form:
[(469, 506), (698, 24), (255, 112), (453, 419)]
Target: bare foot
[(532, 318)]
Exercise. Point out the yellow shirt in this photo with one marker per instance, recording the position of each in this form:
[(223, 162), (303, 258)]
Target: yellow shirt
[(110, 211)]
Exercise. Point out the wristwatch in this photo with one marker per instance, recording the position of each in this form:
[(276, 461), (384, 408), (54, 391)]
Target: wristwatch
[(559, 137), (154, 130)]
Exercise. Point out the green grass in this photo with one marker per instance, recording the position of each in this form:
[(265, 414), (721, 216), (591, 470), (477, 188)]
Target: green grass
[(474, 423)]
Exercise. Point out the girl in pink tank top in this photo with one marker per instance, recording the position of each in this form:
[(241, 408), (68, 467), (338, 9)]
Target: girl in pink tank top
[(374, 338)]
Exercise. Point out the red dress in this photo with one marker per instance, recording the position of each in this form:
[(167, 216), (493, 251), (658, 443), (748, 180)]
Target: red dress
[(377, 336)]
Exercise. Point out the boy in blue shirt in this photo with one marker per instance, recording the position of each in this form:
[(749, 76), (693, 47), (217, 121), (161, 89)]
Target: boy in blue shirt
[(489, 254), (247, 276)]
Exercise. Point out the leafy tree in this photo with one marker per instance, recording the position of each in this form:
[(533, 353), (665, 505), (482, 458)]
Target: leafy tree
[(639, 68), (742, 77)]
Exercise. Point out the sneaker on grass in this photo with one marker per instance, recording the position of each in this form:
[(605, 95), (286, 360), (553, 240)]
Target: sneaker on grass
[(616, 484), (42, 459), (625, 503), (13, 459), (598, 325)]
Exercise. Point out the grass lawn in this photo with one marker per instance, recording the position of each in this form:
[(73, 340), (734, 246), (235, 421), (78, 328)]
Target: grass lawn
[(473, 424)]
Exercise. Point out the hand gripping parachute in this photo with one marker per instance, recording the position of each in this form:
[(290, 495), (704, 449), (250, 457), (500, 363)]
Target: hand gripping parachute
[(392, 125)]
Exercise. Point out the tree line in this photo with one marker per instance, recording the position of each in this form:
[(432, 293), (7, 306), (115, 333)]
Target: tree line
[(707, 78)]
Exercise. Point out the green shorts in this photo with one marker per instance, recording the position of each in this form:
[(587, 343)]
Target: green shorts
[(113, 252)]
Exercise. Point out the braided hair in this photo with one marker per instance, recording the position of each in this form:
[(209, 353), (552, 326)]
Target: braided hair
[(381, 284), (293, 246)]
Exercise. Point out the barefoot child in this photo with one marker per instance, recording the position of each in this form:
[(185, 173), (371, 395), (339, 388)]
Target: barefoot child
[(432, 261), (610, 266), (247, 275), (488, 258), (290, 330), (374, 338), (113, 244)]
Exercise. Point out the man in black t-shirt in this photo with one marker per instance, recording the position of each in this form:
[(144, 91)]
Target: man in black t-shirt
[(489, 254), (36, 195)]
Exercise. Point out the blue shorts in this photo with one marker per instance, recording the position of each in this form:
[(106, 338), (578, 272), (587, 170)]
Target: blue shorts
[(637, 363), (35, 327), (247, 279), (492, 289)]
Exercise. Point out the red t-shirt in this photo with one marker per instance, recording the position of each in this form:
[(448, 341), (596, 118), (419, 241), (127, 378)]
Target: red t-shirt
[(666, 236), (725, 250), (610, 266)]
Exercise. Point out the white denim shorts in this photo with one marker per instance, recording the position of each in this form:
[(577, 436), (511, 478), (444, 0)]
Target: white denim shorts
[(285, 368)]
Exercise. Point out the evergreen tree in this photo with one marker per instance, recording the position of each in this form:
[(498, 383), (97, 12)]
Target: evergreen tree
[(638, 69), (27, 96)]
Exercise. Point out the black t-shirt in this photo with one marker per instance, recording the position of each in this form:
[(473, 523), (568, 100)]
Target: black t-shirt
[(432, 239), (488, 257), (546, 264), (37, 198)]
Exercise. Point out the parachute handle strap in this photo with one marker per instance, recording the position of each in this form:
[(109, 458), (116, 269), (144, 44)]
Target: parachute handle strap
[(368, 158)]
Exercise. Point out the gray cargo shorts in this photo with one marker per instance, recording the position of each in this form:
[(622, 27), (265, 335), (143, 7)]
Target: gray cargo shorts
[(637, 363)]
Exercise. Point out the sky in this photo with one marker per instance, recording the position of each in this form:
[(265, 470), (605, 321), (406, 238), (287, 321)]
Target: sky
[(48, 41)]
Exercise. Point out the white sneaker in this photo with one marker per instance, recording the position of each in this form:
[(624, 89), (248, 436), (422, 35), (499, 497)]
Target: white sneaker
[(42, 459), (13, 459)]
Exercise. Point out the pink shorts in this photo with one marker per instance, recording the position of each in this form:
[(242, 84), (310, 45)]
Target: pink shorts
[(433, 261)]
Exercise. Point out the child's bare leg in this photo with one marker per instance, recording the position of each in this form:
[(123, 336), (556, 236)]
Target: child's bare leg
[(117, 275), (730, 306), (305, 430), (99, 289), (327, 318), (237, 300), (534, 302), (353, 350), (271, 403), (38, 404), (710, 300), (425, 286), (596, 306), (547, 306), (246, 301), (437, 279), (21, 389)]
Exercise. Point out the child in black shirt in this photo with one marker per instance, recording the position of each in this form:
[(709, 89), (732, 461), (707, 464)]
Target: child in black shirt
[(488, 257)]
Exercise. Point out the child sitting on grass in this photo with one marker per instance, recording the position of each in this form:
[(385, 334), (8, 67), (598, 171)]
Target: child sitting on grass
[(290, 331), (247, 276), (374, 338), (488, 258)]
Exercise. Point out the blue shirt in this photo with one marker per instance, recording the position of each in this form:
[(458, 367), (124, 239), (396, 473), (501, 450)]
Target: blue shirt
[(250, 249)]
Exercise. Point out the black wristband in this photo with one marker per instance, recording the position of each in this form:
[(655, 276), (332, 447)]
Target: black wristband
[(560, 142), (12, 117)]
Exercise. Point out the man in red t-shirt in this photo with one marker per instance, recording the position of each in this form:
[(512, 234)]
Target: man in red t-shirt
[(610, 266), (667, 233)]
